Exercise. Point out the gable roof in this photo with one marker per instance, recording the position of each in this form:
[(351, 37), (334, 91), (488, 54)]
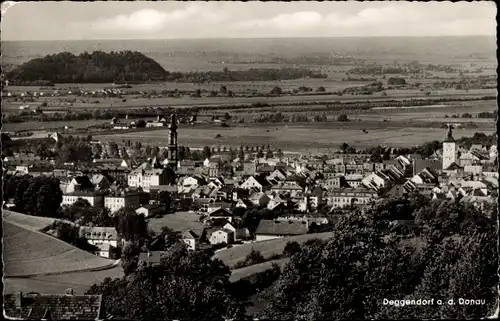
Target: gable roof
[(98, 233), (57, 307), (222, 212), (272, 227)]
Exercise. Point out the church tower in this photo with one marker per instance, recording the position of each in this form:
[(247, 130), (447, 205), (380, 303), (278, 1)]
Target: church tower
[(449, 149), (172, 143)]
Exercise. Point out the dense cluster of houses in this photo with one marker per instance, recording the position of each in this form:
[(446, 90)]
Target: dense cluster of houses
[(300, 190)]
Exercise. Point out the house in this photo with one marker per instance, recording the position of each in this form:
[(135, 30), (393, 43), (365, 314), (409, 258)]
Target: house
[(150, 210), (95, 199), (243, 203), (353, 180), (114, 202), (291, 187), (211, 207), (259, 199), (344, 197), (239, 233), (255, 183), (104, 238), (36, 306), (272, 229), (80, 183), (100, 182), (191, 239), (278, 175), (221, 213), (221, 235), (145, 178)]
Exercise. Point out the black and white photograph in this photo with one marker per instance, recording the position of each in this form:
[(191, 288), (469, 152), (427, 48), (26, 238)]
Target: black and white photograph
[(227, 160)]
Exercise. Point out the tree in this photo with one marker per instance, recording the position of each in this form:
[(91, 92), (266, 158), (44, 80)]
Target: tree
[(291, 248), (260, 153), (345, 277), (186, 286), (131, 226), (165, 199), (269, 154), (38, 196), (223, 90), (342, 117), (280, 154), (321, 89), (344, 147), (276, 91), (141, 123), (206, 153)]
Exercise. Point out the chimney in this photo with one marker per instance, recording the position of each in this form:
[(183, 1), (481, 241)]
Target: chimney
[(19, 299), (69, 291)]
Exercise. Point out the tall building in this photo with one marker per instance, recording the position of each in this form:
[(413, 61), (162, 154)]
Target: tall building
[(172, 144), (449, 149)]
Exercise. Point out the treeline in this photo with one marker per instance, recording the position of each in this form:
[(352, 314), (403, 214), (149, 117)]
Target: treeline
[(252, 74)]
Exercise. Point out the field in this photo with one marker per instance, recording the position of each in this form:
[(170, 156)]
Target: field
[(27, 252), (247, 271), (179, 221), (268, 248), (32, 223), (311, 137)]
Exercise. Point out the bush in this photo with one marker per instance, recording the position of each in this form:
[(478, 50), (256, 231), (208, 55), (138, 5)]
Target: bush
[(342, 117), (291, 248)]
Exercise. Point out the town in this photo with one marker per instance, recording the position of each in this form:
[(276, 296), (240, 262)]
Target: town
[(249, 160)]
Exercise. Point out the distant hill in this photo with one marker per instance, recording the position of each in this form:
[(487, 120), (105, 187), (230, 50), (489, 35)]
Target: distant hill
[(97, 67)]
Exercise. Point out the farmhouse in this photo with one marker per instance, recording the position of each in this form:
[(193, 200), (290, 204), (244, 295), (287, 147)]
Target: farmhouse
[(102, 237)]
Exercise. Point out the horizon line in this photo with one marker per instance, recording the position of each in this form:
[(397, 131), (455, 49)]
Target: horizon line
[(246, 38)]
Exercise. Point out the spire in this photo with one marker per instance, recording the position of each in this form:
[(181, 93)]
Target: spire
[(449, 137)]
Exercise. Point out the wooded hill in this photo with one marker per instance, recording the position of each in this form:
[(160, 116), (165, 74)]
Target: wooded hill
[(131, 67)]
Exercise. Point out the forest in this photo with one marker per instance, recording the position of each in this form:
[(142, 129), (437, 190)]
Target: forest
[(133, 67)]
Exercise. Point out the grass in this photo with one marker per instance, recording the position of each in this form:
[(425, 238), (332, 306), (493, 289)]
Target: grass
[(33, 223), (27, 252), (247, 271), (180, 221), (267, 248)]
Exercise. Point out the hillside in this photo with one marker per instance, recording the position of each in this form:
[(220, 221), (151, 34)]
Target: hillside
[(97, 67), (27, 252)]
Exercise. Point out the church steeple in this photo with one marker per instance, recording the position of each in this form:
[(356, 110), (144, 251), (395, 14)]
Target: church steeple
[(172, 143), (449, 137)]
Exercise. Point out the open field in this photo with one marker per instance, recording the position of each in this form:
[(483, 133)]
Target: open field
[(32, 223), (247, 271), (28, 253), (179, 221), (268, 248), (302, 137)]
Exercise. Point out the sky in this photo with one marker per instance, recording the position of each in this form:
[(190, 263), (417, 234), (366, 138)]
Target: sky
[(170, 20)]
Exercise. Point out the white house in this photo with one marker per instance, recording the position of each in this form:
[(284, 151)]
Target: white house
[(191, 239), (102, 237), (114, 202), (222, 235), (145, 178)]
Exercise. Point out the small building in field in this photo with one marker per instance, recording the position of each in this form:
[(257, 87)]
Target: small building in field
[(221, 235)]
